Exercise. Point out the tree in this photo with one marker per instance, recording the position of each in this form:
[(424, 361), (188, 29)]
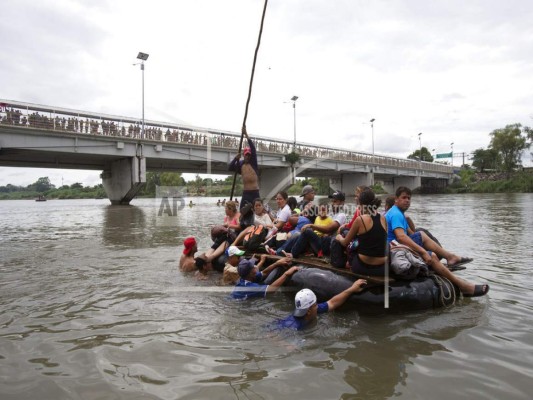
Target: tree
[(485, 159), (509, 143), (292, 157), (171, 179), (41, 185), (76, 185), (426, 155)]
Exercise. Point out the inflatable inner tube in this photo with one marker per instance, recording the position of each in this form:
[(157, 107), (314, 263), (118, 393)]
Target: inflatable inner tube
[(404, 296)]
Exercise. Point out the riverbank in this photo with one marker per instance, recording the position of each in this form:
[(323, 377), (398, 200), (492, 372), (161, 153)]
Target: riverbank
[(475, 182), (469, 182)]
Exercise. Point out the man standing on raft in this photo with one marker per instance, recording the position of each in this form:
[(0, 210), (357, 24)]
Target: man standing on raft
[(249, 171)]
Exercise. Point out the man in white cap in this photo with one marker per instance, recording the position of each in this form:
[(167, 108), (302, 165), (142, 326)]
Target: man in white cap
[(230, 276), (308, 194), (307, 308)]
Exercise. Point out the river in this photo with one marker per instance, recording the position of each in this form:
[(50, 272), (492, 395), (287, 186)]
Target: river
[(92, 305)]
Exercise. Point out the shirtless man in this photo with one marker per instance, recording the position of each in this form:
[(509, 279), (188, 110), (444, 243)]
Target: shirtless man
[(187, 262), (249, 171)]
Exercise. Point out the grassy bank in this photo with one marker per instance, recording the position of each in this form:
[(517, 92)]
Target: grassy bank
[(471, 182)]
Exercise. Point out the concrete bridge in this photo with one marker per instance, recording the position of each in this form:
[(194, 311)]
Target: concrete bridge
[(34, 135)]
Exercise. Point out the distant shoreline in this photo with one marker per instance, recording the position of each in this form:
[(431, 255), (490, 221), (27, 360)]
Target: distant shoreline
[(470, 182)]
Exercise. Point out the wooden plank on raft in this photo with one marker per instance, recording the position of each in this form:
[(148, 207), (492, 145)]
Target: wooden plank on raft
[(322, 264)]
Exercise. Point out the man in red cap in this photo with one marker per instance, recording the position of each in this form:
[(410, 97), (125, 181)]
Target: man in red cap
[(187, 263), (249, 171)]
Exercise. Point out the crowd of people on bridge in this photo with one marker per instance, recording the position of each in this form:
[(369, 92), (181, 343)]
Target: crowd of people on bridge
[(55, 121)]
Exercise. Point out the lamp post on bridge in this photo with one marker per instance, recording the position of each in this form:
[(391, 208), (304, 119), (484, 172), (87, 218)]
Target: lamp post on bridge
[(420, 149), (143, 57), (451, 145), (372, 126), (294, 98)]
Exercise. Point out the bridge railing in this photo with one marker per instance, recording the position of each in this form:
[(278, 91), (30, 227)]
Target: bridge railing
[(54, 119)]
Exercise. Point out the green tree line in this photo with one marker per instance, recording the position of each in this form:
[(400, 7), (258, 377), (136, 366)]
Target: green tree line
[(504, 153), (196, 187)]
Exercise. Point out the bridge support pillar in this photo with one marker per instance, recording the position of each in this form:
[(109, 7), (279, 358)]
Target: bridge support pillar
[(388, 185), (412, 182), (122, 179), (272, 180), (348, 182)]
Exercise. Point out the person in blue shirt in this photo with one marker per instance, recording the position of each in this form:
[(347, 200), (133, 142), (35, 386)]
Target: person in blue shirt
[(398, 230), (250, 283), (307, 308)]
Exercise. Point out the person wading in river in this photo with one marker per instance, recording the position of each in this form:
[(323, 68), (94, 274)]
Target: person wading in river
[(249, 171)]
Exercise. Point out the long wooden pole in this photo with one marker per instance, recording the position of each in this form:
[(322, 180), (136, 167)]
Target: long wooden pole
[(243, 129)]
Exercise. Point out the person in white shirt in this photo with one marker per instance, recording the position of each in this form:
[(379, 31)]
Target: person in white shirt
[(261, 217)]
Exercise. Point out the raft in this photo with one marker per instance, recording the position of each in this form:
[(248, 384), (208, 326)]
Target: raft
[(404, 296)]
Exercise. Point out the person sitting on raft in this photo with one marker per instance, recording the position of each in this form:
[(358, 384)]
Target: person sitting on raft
[(430, 251), (221, 241), (370, 229), (307, 217), (261, 216), (307, 308), (247, 287), (320, 245), (284, 211), (308, 194), (344, 228)]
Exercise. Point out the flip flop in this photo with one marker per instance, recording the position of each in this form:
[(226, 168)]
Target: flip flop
[(479, 290), (456, 268), (462, 261)]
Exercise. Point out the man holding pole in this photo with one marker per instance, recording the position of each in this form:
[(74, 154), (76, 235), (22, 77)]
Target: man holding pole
[(249, 171)]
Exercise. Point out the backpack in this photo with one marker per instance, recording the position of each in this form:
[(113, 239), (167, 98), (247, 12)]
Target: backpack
[(254, 237)]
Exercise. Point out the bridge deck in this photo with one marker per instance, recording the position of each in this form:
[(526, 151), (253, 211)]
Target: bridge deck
[(44, 120)]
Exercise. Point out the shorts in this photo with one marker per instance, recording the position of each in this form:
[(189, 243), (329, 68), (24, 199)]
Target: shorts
[(361, 268), (417, 238)]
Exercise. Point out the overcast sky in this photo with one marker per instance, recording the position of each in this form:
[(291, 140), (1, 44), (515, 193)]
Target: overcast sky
[(454, 70)]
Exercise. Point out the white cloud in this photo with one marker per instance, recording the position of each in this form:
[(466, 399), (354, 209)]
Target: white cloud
[(453, 70)]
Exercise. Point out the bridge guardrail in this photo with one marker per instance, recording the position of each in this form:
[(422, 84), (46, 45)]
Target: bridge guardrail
[(47, 118)]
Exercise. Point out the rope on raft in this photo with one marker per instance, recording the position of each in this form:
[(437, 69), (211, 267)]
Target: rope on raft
[(441, 281), (243, 129)]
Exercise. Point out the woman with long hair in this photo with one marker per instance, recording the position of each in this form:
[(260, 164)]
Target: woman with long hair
[(370, 228)]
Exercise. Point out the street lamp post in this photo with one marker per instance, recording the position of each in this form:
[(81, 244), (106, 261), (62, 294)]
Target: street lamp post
[(420, 148), (294, 98), (143, 57), (451, 145), (372, 125)]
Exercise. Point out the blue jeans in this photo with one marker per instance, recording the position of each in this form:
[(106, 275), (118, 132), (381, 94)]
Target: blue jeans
[(311, 239), (288, 245)]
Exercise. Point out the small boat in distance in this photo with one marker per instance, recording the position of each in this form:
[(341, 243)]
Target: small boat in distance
[(40, 198)]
